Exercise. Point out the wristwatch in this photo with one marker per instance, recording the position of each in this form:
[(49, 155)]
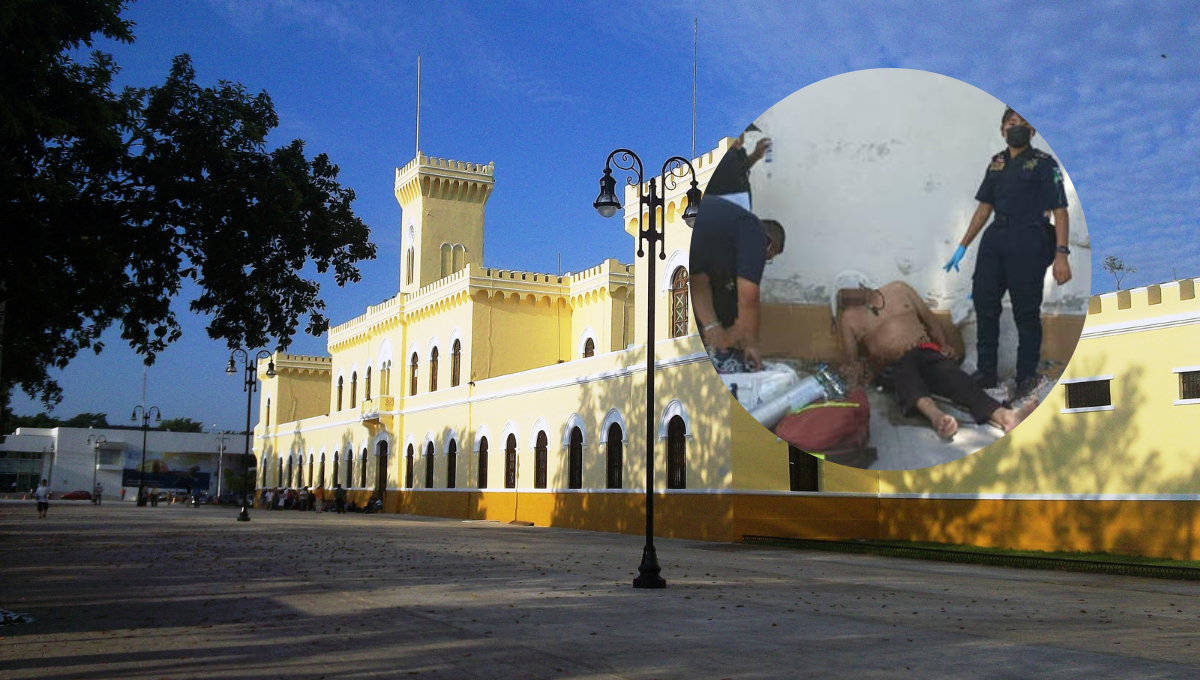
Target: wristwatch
[(1064, 250)]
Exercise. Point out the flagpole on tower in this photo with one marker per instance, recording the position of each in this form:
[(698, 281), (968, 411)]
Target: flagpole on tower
[(418, 106)]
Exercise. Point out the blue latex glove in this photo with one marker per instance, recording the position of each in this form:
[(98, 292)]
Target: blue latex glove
[(956, 258)]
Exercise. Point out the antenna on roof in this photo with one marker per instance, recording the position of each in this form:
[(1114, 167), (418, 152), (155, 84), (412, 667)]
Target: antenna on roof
[(418, 105)]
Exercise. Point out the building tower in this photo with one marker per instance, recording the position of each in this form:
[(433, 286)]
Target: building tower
[(442, 228)]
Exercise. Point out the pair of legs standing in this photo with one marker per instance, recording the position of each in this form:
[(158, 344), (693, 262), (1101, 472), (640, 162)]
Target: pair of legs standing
[(1013, 259)]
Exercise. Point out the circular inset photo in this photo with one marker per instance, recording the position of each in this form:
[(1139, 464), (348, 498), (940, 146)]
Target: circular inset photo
[(890, 269)]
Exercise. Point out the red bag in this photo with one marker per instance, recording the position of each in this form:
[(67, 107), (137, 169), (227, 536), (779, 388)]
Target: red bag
[(829, 426)]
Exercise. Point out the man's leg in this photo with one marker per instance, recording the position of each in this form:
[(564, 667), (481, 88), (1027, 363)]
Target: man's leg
[(913, 393), (1027, 275), (947, 379), (987, 290)]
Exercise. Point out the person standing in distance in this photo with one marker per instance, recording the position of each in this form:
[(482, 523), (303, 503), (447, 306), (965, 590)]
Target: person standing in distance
[(42, 495), (1022, 184)]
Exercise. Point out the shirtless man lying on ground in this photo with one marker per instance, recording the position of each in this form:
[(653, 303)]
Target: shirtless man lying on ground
[(909, 351)]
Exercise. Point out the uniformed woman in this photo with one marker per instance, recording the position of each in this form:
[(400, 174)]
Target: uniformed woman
[(1022, 186)]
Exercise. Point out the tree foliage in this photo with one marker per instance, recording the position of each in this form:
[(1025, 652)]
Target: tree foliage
[(112, 199), (1113, 265), (48, 421), (181, 425)]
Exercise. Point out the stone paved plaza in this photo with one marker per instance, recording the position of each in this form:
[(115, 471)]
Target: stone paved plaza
[(173, 592)]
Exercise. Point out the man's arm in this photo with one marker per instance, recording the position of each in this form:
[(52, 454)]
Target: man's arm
[(1062, 231), (933, 325), (745, 329), (853, 368), (706, 314)]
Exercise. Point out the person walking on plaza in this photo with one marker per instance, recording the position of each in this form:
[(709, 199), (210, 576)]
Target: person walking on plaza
[(1022, 185), (122, 493), (154, 497), (97, 493), (304, 498), (339, 498), (42, 495)]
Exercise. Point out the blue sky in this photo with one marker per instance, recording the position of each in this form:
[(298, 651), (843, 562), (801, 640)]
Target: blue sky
[(546, 90)]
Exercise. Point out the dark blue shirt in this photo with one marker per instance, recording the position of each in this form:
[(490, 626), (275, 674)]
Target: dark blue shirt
[(1022, 189), (728, 243)]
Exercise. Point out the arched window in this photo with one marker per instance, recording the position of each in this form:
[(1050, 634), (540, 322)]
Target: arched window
[(679, 303), (264, 471), (460, 256), (353, 389), (408, 468), (279, 474), (433, 363), (381, 457), (412, 387), (349, 469), (310, 470), (676, 454), (589, 348), (289, 472), (615, 462), (510, 462), (455, 363), (333, 480), (300, 470), (483, 456), (339, 393), (451, 464), (362, 473), (411, 264), (429, 466), (367, 385), (321, 471), (267, 419), (447, 254), (385, 378), (539, 462), (575, 459)]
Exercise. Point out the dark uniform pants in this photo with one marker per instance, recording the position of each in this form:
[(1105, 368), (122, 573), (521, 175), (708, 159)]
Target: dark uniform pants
[(1012, 258)]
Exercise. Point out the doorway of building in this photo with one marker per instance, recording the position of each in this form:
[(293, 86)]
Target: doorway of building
[(381, 469)]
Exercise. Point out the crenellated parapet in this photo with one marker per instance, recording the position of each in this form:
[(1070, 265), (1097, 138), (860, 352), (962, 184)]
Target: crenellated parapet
[(1160, 304), (445, 179)]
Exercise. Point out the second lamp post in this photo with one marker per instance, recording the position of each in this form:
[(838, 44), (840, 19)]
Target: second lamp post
[(651, 199), (141, 498), (249, 385)]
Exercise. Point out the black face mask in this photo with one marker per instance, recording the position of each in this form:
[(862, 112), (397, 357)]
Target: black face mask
[(1018, 136)]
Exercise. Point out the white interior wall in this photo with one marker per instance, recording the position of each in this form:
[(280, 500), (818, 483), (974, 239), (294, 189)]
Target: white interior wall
[(877, 171)]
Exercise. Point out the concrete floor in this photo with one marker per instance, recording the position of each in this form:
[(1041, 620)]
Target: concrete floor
[(173, 592)]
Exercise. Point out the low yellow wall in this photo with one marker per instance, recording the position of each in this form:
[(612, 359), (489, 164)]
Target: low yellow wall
[(1168, 529)]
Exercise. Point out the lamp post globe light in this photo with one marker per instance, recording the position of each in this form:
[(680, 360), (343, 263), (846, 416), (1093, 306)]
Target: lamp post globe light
[(651, 198), (250, 383), (145, 415)]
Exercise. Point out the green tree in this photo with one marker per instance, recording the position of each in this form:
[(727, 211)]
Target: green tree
[(38, 420), (181, 425), (87, 420), (112, 200), (1113, 265)]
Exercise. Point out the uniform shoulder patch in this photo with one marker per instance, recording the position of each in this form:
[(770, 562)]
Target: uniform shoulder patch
[(997, 162)]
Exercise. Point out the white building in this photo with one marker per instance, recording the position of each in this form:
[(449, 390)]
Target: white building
[(69, 457)]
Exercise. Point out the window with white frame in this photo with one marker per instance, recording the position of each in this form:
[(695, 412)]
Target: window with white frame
[(1088, 394)]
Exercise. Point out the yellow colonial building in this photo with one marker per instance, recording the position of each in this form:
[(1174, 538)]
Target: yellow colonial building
[(488, 393)]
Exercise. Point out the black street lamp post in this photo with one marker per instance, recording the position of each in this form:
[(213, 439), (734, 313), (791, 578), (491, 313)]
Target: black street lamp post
[(651, 199), (250, 384), (141, 499)]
